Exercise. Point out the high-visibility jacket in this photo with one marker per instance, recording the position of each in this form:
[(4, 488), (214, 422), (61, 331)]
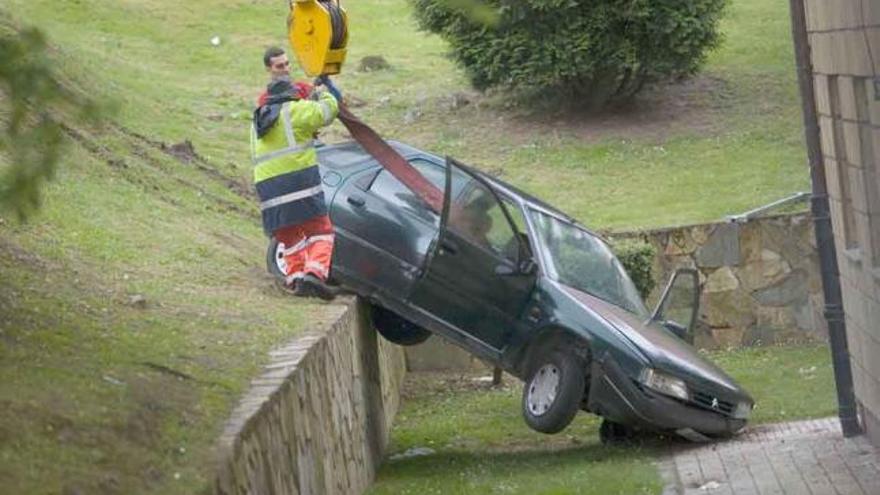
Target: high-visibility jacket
[(285, 163)]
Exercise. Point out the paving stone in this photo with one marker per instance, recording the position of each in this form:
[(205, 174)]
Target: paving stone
[(798, 458)]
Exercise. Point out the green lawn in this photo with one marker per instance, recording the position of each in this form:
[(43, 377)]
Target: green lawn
[(102, 392), (481, 444)]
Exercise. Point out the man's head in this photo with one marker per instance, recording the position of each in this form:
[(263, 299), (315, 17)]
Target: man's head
[(276, 63)]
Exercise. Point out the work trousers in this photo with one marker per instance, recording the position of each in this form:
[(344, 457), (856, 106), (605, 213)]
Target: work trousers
[(308, 248)]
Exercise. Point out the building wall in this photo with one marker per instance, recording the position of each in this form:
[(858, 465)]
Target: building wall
[(318, 420), (844, 38)]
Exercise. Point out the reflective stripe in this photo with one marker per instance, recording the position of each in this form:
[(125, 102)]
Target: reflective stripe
[(317, 266), (288, 127), (308, 242), (289, 198), (292, 146), (284, 151), (328, 112)]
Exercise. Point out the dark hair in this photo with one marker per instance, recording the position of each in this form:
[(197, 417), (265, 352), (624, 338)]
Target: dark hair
[(271, 52)]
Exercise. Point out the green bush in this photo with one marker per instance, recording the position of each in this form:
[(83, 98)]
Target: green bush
[(592, 50), (637, 258)]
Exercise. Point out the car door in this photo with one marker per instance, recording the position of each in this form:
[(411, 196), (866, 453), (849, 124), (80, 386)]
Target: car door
[(473, 280), (383, 230)]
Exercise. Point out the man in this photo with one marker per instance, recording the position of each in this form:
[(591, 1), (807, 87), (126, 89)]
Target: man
[(289, 184), (278, 67)]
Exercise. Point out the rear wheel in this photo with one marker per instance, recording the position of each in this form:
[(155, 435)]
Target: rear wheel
[(395, 328), (553, 391), (275, 264)]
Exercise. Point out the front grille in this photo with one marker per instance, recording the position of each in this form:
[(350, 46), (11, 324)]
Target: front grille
[(713, 403)]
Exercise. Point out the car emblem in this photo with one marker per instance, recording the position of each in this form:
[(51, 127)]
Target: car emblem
[(714, 403)]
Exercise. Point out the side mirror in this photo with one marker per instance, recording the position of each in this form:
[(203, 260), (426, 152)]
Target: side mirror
[(677, 309)]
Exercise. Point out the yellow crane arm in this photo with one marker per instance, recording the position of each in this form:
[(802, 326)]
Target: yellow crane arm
[(318, 32)]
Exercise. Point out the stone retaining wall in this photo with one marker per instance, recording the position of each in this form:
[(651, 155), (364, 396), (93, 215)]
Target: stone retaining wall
[(318, 420), (760, 279)]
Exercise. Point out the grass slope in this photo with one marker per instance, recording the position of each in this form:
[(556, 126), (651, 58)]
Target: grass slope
[(134, 308)]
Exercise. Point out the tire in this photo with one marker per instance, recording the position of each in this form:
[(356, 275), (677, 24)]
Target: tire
[(274, 260), (553, 391), (395, 328)]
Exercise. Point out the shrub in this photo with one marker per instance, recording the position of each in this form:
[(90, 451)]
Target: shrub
[(591, 50), (637, 258)]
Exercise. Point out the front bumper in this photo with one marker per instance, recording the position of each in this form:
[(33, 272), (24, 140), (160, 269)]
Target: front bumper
[(614, 396)]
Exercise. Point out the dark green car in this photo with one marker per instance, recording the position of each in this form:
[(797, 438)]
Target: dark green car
[(522, 285)]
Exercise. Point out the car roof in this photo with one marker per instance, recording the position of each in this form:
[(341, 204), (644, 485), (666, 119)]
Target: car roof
[(349, 156)]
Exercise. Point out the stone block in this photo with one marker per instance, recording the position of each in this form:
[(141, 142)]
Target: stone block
[(767, 270), (776, 318), (734, 308), (871, 357), (853, 54), (722, 247), (680, 242), (870, 393), (791, 289), (846, 95), (856, 187), (832, 177), (873, 103), (873, 316), (805, 318), (751, 241), (721, 280), (852, 140), (726, 338), (820, 89), (822, 54), (826, 135), (870, 13)]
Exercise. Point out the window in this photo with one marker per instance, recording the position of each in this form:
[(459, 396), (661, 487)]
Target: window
[(387, 187), (478, 217)]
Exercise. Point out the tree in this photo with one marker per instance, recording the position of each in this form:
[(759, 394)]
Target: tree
[(32, 102), (593, 51)]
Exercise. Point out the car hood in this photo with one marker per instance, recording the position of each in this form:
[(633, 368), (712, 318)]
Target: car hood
[(664, 350)]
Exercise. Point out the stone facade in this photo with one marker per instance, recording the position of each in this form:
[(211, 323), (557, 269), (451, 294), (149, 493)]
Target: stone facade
[(318, 420), (760, 279), (844, 39)]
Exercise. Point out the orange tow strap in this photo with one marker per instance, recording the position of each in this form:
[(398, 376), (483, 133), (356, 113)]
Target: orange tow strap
[(389, 158)]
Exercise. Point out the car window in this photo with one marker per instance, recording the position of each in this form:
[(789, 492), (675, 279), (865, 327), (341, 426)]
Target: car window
[(387, 187), (392, 190), (478, 217)]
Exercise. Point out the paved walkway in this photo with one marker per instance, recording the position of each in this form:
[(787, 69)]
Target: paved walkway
[(801, 458)]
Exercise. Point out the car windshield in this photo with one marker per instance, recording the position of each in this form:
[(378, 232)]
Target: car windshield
[(580, 260)]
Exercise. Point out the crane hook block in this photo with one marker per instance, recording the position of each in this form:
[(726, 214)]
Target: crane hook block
[(318, 32)]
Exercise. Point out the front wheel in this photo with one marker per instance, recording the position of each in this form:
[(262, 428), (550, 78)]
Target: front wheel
[(553, 391)]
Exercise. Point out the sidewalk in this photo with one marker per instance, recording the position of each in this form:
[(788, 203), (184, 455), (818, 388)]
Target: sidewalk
[(805, 457)]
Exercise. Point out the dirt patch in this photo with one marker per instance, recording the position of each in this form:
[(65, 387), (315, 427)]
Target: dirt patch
[(690, 106)]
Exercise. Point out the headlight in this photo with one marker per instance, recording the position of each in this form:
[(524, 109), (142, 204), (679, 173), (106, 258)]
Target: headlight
[(743, 410), (664, 383)]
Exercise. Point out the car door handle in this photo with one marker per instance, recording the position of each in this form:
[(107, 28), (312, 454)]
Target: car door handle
[(449, 246), (356, 201)]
